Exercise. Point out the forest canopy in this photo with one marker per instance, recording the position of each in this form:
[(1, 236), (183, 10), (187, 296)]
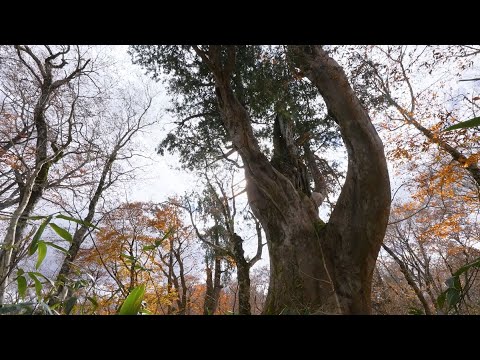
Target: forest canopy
[(239, 179)]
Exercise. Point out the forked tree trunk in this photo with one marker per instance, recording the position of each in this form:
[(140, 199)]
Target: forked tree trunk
[(356, 229), (315, 268)]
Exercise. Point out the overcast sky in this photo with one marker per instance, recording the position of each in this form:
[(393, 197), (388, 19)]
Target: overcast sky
[(158, 178)]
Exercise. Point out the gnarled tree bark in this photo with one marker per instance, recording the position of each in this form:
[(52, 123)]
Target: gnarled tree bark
[(314, 268)]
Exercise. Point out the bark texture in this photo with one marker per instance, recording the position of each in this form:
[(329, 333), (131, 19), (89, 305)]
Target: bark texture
[(243, 276), (357, 226), (314, 267)]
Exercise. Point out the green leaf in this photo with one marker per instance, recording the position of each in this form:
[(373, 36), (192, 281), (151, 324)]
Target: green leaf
[(20, 272), (33, 246), (69, 304), (35, 273), (36, 217), (140, 267), (56, 247), (55, 306), (158, 242), (129, 257), (93, 301), (61, 232), (92, 279), (80, 284), (454, 283), (415, 311), (167, 234), (465, 124), (133, 302), (42, 252), (38, 284), (16, 308), (452, 298), (441, 299), (475, 263), (81, 222), (22, 286)]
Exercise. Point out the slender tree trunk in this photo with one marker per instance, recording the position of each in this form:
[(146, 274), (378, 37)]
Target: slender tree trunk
[(170, 279), (208, 302), (9, 242), (182, 288), (243, 277), (213, 288), (410, 280), (217, 285), (314, 268), (214, 285), (31, 192), (82, 232)]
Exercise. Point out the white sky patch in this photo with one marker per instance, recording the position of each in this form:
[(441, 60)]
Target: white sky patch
[(158, 176)]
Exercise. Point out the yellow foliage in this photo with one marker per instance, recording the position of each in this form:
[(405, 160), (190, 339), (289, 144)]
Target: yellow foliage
[(126, 247)]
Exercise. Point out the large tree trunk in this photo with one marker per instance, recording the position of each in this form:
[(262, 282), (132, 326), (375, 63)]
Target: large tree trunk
[(299, 282), (314, 268), (356, 229)]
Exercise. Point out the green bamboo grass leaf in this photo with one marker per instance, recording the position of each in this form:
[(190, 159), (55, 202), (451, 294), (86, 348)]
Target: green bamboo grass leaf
[(22, 286), (38, 234), (56, 247), (37, 274), (93, 301), (465, 124), (69, 304), (17, 308), (64, 234), (133, 302), (38, 284), (159, 242), (40, 217), (81, 222), (475, 263), (42, 252)]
